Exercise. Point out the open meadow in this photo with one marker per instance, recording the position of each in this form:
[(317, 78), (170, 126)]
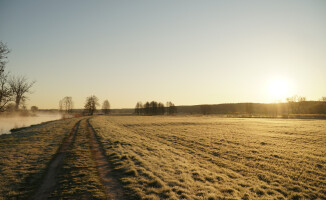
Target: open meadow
[(165, 157), (150, 100), (25, 155), (216, 158)]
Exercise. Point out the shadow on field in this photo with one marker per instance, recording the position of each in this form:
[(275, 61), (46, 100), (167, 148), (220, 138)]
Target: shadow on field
[(48, 181), (112, 186)]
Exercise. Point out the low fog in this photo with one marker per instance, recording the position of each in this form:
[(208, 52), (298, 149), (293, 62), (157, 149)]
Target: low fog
[(16, 121)]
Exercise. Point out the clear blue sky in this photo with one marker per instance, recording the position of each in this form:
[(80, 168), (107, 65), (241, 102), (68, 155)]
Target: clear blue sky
[(187, 52)]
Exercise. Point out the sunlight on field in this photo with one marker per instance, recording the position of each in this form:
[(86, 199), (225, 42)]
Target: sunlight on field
[(165, 157), (215, 158), (24, 157), (78, 179)]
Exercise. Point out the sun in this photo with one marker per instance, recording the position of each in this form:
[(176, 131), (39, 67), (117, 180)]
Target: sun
[(279, 89)]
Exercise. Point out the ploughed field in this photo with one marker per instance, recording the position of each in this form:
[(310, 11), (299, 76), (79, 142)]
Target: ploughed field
[(161, 157)]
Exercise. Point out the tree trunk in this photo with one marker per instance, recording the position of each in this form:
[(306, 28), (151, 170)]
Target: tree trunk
[(17, 103)]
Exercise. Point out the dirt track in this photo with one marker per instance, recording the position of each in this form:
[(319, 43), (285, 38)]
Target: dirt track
[(112, 187), (110, 184), (49, 180)]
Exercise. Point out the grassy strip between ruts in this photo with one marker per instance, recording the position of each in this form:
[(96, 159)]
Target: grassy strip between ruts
[(215, 158), (24, 156), (78, 178)]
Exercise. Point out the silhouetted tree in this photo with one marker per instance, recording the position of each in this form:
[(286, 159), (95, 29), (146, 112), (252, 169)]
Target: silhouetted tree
[(147, 108), (106, 107), (60, 105), (170, 108), (153, 108), (20, 86), (5, 92), (91, 104), (66, 104), (139, 108), (34, 108), (160, 109), (3, 55)]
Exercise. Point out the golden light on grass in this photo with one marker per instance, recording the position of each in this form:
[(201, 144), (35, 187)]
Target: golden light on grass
[(215, 158)]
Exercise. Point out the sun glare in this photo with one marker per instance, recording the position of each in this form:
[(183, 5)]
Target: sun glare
[(279, 89)]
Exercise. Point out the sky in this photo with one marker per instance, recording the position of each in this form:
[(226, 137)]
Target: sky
[(188, 52)]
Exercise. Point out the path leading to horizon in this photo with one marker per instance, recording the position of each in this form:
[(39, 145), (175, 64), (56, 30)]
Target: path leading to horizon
[(80, 164)]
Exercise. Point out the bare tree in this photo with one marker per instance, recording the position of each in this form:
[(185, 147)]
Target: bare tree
[(20, 86), (161, 108), (292, 104), (147, 108), (153, 108), (171, 108), (3, 56), (91, 104), (66, 104), (106, 107), (61, 105), (34, 108), (139, 108), (5, 92)]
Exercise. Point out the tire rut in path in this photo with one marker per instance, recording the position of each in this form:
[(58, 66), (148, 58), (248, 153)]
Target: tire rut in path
[(112, 187), (49, 180)]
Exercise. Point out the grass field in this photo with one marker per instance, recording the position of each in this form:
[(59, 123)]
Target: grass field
[(167, 158), (78, 178), (216, 158), (24, 156)]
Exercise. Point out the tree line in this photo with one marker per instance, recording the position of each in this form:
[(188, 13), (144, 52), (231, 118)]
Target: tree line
[(92, 103), (155, 108), (294, 105), (13, 89)]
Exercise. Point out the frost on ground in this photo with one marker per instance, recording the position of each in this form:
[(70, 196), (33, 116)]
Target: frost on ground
[(215, 158), (24, 156), (167, 157)]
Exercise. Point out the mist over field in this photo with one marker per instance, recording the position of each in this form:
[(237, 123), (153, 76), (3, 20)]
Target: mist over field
[(15, 121)]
